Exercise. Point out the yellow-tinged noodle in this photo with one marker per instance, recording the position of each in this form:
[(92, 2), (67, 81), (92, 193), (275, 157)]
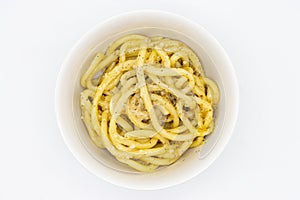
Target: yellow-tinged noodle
[(151, 103)]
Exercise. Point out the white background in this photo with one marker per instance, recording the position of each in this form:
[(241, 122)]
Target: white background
[(261, 161)]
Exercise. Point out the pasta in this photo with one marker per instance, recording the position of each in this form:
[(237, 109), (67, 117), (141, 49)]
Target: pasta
[(147, 101)]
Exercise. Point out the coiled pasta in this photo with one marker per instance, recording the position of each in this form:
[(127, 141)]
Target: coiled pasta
[(151, 103)]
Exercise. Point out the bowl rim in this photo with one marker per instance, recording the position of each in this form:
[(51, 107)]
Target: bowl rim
[(59, 92)]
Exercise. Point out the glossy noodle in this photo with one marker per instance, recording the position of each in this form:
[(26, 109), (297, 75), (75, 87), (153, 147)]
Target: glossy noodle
[(147, 101)]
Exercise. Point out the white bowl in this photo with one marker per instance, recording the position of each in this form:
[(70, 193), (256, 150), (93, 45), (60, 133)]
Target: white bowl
[(151, 23)]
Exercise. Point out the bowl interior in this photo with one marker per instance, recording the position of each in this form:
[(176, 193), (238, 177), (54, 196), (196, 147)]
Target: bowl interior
[(210, 68), (215, 63)]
